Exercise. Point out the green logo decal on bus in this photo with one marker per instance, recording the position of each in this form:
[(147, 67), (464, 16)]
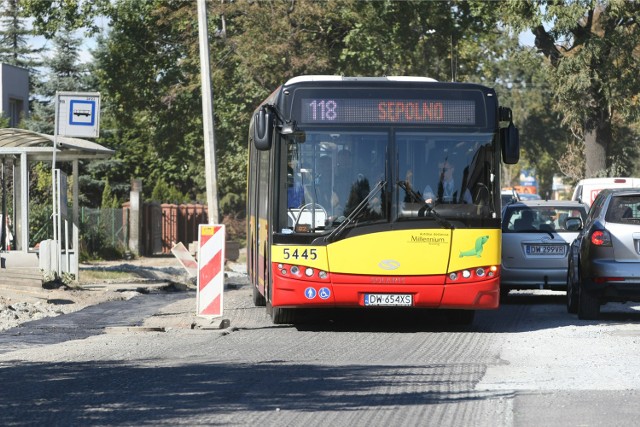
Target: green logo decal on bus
[(477, 250)]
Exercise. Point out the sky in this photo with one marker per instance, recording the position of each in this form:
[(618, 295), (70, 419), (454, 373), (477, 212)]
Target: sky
[(527, 38), (87, 43)]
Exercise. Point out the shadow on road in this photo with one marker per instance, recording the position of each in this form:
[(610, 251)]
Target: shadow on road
[(379, 320), (519, 312), (268, 393)]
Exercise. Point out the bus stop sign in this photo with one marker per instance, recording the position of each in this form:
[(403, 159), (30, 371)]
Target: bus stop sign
[(78, 114)]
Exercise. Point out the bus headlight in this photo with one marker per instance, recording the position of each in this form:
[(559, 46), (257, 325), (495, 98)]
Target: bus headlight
[(492, 271), (308, 271), (475, 274)]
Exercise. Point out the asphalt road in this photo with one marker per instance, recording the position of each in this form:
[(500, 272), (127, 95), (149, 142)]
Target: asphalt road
[(528, 363)]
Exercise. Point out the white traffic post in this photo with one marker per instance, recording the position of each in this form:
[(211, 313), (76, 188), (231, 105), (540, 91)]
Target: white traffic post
[(211, 240)]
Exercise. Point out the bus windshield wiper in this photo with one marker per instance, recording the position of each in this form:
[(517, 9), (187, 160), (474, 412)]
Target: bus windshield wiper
[(417, 198), (425, 207), (355, 213), (431, 211)]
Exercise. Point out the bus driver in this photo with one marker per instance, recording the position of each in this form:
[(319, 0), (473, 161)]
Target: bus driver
[(447, 192)]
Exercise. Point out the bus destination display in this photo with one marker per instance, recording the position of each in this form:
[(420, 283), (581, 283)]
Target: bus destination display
[(381, 111)]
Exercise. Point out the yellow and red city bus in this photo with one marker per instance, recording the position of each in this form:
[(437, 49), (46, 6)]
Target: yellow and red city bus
[(347, 203)]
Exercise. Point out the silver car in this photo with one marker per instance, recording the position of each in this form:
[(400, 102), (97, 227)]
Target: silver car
[(535, 243), (604, 264)]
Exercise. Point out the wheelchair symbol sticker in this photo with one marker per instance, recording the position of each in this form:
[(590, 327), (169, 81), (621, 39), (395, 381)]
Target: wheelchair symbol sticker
[(310, 293), (324, 293)]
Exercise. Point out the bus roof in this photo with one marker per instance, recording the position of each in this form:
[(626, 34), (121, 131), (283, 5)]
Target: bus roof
[(329, 78)]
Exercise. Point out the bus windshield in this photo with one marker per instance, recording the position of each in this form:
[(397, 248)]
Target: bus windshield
[(450, 172), (330, 172)]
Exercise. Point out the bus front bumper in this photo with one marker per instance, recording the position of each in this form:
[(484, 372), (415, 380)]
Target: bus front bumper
[(425, 291)]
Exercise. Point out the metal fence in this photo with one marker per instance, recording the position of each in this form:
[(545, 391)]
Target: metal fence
[(103, 227), (162, 225)]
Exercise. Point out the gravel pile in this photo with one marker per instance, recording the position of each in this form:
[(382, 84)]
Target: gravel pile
[(12, 315), (15, 312)]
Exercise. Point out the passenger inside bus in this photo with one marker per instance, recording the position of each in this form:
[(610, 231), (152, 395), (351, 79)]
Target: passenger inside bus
[(345, 176), (295, 189), (324, 194), (446, 187)]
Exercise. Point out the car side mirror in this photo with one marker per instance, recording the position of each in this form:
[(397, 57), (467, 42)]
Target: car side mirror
[(573, 223)]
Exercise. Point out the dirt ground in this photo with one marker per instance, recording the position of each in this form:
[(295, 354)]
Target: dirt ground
[(100, 282)]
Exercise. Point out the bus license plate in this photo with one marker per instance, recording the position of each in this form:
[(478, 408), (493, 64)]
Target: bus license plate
[(389, 300)]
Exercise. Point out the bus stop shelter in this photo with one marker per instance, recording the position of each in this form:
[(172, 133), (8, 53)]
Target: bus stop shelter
[(18, 149)]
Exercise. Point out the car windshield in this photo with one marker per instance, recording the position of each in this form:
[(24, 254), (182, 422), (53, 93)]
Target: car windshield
[(529, 196), (540, 218), (624, 209)]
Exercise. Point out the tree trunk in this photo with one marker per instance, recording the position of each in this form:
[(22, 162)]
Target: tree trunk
[(597, 137)]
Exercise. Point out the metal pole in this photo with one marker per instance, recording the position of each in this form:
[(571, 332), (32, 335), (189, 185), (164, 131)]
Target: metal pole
[(76, 221), (207, 116), (3, 214), (59, 221), (24, 203), (54, 192)]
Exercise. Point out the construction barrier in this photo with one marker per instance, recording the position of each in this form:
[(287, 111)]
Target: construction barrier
[(188, 262), (211, 243)]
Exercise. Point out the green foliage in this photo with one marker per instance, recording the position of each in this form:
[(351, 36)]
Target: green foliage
[(109, 200), (64, 74), (40, 223), (96, 242), (163, 192), (14, 48), (94, 173), (591, 51), (579, 85), (49, 16)]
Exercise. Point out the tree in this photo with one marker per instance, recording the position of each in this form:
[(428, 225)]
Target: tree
[(65, 73), (51, 15), (147, 70), (543, 138), (444, 40), (14, 48), (592, 52), (150, 85), (109, 200)]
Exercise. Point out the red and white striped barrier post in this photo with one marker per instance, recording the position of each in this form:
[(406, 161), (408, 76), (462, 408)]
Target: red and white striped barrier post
[(211, 239), (188, 262)]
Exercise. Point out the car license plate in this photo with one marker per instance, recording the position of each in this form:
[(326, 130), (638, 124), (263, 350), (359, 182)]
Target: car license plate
[(545, 249), (389, 300)]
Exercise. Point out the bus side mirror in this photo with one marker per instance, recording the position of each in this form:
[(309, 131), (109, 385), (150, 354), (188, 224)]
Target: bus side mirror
[(510, 144), (263, 129)]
